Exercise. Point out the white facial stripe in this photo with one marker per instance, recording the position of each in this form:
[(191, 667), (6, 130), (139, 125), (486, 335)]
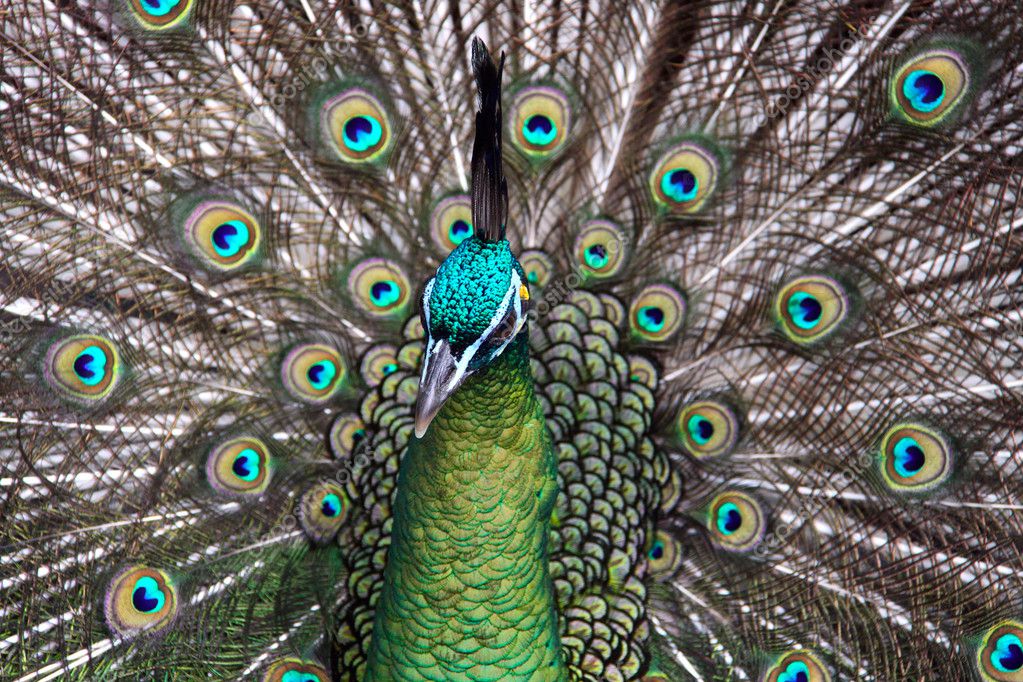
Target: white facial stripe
[(516, 283), (430, 344), (463, 363)]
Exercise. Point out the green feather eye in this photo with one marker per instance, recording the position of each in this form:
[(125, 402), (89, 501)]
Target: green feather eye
[(240, 466), (84, 368), (541, 118), (346, 432), (451, 222), (736, 521), (378, 362), (601, 249), (356, 126), (708, 428), (664, 556), (140, 600), (312, 372), (222, 235), (538, 267), (686, 177), (643, 370), (295, 670), (1000, 655), (809, 309), (379, 287), (915, 458), (798, 665), (930, 88), (160, 15), (322, 510), (657, 313)]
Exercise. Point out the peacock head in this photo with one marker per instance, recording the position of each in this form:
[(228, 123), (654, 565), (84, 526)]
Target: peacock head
[(471, 310), (476, 303)]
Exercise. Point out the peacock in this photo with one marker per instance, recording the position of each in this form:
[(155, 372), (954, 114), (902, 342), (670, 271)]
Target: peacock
[(574, 341)]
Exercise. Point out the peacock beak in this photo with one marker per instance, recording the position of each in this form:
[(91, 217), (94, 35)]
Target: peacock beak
[(441, 377)]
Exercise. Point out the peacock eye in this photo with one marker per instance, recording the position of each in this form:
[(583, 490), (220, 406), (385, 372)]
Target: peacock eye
[(1000, 655), (346, 432), (295, 670), (929, 88), (708, 428), (322, 510), (240, 466), (158, 15), (537, 266), (600, 249), (541, 119), (356, 126), (664, 556), (798, 665), (378, 362), (140, 600), (84, 367), (312, 372), (379, 287), (736, 521), (915, 458), (451, 222), (811, 308), (657, 312), (685, 177), (222, 235)]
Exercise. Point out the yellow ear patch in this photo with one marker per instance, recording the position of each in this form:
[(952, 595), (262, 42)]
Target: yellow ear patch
[(523, 292)]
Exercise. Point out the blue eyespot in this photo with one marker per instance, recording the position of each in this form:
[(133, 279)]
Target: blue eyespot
[(246, 465), (701, 429), (321, 374), (680, 184), (804, 310), (795, 672), (1008, 654), (90, 365), (729, 519), (909, 457), (924, 90), (146, 596), (331, 505), (539, 130), (159, 8), (384, 293), (596, 256), (651, 319), (298, 676), (229, 238), (459, 231), (657, 551), (362, 133)]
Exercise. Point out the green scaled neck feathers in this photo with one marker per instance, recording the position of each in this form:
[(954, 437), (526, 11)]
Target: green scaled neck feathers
[(467, 594), (467, 591)]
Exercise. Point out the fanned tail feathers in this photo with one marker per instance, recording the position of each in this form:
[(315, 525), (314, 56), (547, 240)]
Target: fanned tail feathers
[(774, 254)]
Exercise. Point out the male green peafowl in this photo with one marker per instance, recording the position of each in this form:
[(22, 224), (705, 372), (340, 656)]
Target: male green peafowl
[(681, 342)]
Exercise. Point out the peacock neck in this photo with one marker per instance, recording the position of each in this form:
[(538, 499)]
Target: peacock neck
[(467, 592)]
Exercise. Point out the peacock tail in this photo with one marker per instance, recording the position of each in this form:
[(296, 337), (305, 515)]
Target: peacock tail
[(773, 252)]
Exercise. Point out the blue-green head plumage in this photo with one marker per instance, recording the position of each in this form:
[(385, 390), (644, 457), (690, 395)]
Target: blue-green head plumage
[(472, 288), (477, 302), (472, 309)]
